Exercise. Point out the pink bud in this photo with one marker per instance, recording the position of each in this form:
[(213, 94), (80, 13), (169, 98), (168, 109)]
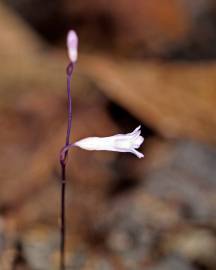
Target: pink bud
[(72, 45)]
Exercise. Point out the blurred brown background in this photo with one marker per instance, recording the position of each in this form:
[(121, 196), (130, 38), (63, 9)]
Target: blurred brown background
[(142, 61)]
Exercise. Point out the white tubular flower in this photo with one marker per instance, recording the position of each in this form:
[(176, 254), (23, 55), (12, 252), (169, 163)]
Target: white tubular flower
[(119, 143), (72, 45)]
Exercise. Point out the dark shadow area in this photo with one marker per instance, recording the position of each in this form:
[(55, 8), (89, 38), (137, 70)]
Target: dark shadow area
[(127, 122), (123, 185)]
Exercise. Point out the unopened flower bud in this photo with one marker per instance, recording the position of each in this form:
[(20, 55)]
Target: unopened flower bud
[(72, 45)]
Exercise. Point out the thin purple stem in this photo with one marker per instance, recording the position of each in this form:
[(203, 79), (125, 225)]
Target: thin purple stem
[(64, 150), (69, 75), (63, 157), (62, 228)]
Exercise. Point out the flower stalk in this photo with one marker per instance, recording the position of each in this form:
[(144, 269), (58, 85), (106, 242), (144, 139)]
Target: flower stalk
[(72, 43), (63, 161)]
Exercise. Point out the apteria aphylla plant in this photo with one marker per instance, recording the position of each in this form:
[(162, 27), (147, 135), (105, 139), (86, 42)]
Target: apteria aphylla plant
[(129, 142)]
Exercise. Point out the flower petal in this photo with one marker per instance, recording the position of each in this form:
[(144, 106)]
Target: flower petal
[(137, 153), (138, 141), (136, 131)]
